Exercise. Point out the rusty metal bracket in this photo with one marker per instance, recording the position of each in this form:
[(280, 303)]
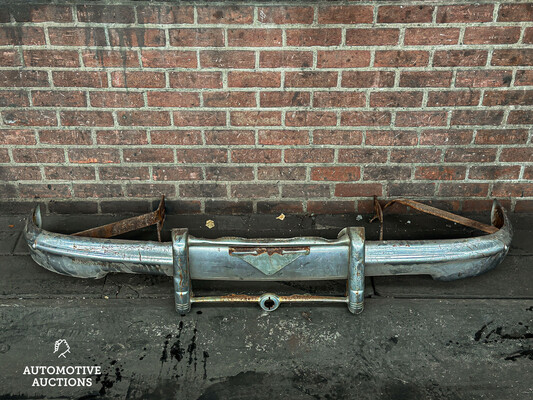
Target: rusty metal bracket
[(129, 224)]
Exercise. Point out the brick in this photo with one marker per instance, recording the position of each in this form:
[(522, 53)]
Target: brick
[(20, 173), (254, 79), (19, 78), (122, 137), (311, 79), (238, 174), (173, 99), (130, 206), (362, 156), (411, 189), (366, 79), (255, 118), (345, 14), (138, 79), (36, 155), (136, 37), (227, 59), (313, 37), (9, 58), (29, 117), (277, 207), (229, 99), (343, 59), (330, 207), (71, 98), (431, 36), (93, 156), (254, 37), (209, 190), (79, 36), (512, 189), (460, 58), (425, 79), (501, 136), (447, 137), (8, 191), (90, 190), (12, 98), (493, 172), (254, 191), (21, 35), (440, 173), (195, 80), (465, 13), (483, 78), (70, 173), (110, 58), (309, 155), (339, 99), (337, 137), (116, 99), (463, 190), (401, 58), (492, 35), (391, 138), (381, 173), (336, 174), (372, 37), (228, 207), (199, 118), (148, 155), (285, 99), (404, 14), (449, 98), (143, 118), (62, 137), (305, 191), (396, 99), (165, 14), (528, 35), (528, 172), (515, 12), (4, 156), (415, 155), (196, 37), (225, 15), (228, 137), (177, 137), (256, 155), (37, 191), (168, 59), (520, 117), (79, 79), (51, 58), (421, 118), (86, 118), (104, 14), (201, 156), (41, 13), (470, 155), (365, 118), (176, 173), (358, 189), (310, 118), (281, 173), (17, 136), (285, 59), (285, 15), (512, 57), (283, 137), (524, 78), (476, 117), (508, 97), (124, 173)]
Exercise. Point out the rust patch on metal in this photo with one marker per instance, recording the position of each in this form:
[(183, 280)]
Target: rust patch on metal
[(256, 251)]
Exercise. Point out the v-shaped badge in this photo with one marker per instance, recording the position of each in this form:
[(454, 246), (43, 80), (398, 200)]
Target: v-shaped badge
[(269, 260)]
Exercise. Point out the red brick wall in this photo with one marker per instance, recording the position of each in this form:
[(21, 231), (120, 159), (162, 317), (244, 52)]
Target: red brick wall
[(301, 107)]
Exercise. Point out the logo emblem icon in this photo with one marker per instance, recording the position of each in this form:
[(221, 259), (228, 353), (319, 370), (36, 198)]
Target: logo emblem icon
[(58, 346)]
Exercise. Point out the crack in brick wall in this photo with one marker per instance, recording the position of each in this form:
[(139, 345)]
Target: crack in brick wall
[(251, 107)]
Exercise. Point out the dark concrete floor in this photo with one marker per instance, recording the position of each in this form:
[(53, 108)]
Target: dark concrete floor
[(417, 338)]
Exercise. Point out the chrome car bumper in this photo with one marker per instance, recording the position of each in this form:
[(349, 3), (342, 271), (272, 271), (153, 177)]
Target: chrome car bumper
[(348, 257)]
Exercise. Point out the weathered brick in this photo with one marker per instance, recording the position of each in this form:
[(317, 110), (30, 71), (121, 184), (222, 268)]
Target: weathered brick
[(201, 156), (59, 137), (254, 191), (237, 174), (122, 137), (148, 155), (79, 79), (391, 138), (421, 155), (285, 99), (254, 37), (449, 137), (431, 36), (404, 14), (492, 35), (372, 37), (79, 36), (305, 191), (520, 117), (136, 37), (20, 173), (285, 15), (229, 99), (285, 59), (524, 78), (314, 37), (173, 99), (4, 156), (12, 98), (228, 137), (493, 172), (255, 118), (421, 118), (17, 136), (228, 207), (138, 79), (363, 156), (256, 155), (401, 58), (508, 97), (336, 174), (177, 137), (310, 118), (366, 79), (143, 118), (337, 137), (515, 12), (165, 14), (86, 118), (512, 189), (440, 173), (345, 14), (19, 78), (281, 173), (483, 78), (254, 79), (385, 173), (24, 12), (396, 99), (448, 98), (92, 190), (38, 191), (199, 80), (283, 137), (37, 155), (203, 190), (339, 99), (460, 58), (168, 59), (365, 118), (93, 156), (124, 173), (51, 58), (9, 58), (72, 98), (29, 117), (116, 99), (227, 59), (501, 136), (465, 13), (425, 79), (358, 189), (330, 207), (463, 189), (512, 57), (225, 15), (70, 173), (199, 118), (196, 37), (106, 14), (110, 58), (21, 35), (477, 117), (309, 155), (470, 155), (415, 189), (343, 59), (311, 79)]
